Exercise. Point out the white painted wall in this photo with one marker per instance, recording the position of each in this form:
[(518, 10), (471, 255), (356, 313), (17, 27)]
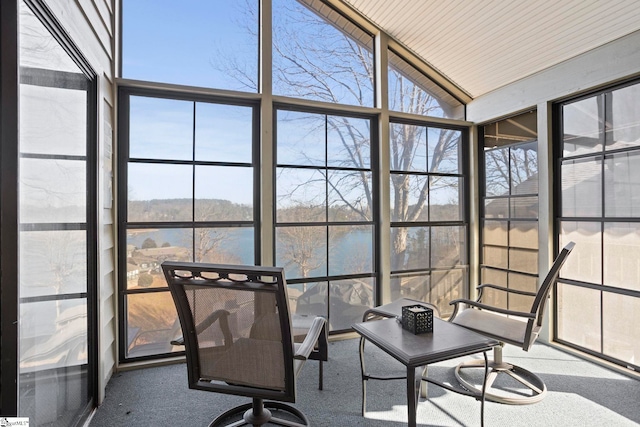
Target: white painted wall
[(91, 25), (605, 65)]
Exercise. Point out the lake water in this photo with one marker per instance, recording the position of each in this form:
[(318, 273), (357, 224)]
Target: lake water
[(352, 253)]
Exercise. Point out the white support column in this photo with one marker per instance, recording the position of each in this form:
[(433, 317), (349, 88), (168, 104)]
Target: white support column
[(474, 211), (545, 204), (382, 102), (267, 165)]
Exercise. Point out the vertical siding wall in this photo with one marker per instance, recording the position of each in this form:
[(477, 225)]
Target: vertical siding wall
[(91, 25)]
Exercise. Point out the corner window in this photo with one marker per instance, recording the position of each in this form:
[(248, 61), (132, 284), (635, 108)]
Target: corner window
[(187, 179)]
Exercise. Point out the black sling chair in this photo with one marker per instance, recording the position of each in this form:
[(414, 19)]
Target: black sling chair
[(517, 328), (239, 338)]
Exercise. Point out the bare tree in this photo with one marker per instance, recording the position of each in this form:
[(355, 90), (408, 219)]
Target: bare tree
[(64, 259), (313, 60), (508, 169), (304, 247), (209, 243)]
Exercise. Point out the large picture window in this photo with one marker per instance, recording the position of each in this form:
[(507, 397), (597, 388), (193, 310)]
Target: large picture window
[(325, 214), (187, 180), (192, 42), (218, 165), (598, 295), (428, 220)]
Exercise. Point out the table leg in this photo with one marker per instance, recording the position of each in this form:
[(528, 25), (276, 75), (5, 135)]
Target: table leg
[(364, 379), (412, 396)]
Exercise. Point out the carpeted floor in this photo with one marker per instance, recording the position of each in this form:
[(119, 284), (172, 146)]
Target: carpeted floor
[(580, 394)]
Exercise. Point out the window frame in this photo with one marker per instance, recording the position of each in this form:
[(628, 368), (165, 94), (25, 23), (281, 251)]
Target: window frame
[(509, 219), (602, 219), (125, 93), (10, 228), (375, 189), (464, 197)]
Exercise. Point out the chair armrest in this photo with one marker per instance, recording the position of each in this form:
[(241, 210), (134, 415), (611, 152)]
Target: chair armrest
[(218, 315), (502, 288), (309, 343), (491, 308), (178, 341), (212, 318)]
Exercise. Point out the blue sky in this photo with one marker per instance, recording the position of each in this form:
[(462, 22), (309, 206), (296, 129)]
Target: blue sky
[(186, 43), (181, 41)]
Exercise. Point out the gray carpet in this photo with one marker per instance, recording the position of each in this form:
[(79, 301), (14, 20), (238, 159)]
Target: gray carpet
[(580, 394)]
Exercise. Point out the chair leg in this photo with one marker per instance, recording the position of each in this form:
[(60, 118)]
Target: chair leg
[(257, 413), (424, 384), (535, 387), (290, 410)]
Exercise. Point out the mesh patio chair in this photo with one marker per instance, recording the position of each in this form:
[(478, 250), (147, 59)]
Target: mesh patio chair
[(511, 327), (239, 339)]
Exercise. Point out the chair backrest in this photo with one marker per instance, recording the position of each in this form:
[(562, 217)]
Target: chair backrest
[(236, 328), (540, 301)]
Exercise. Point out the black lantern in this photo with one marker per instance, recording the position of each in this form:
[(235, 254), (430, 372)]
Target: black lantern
[(417, 319)]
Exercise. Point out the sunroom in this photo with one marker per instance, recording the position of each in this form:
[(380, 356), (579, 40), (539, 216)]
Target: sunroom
[(375, 150)]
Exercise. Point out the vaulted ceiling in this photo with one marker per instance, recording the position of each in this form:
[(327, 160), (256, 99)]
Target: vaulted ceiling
[(481, 45)]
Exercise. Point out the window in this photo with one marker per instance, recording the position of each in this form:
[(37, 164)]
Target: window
[(509, 215), (187, 194), (310, 150), (598, 295), (56, 215), (325, 225), (428, 220), (192, 42), (320, 55), (410, 91)]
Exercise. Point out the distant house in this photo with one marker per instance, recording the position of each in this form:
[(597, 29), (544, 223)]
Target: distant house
[(130, 249), (149, 260), (132, 271)]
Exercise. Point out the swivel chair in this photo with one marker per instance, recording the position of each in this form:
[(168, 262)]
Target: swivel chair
[(500, 324), (238, 338)]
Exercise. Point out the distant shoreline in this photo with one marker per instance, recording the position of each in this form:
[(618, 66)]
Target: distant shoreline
[(140, 231)]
